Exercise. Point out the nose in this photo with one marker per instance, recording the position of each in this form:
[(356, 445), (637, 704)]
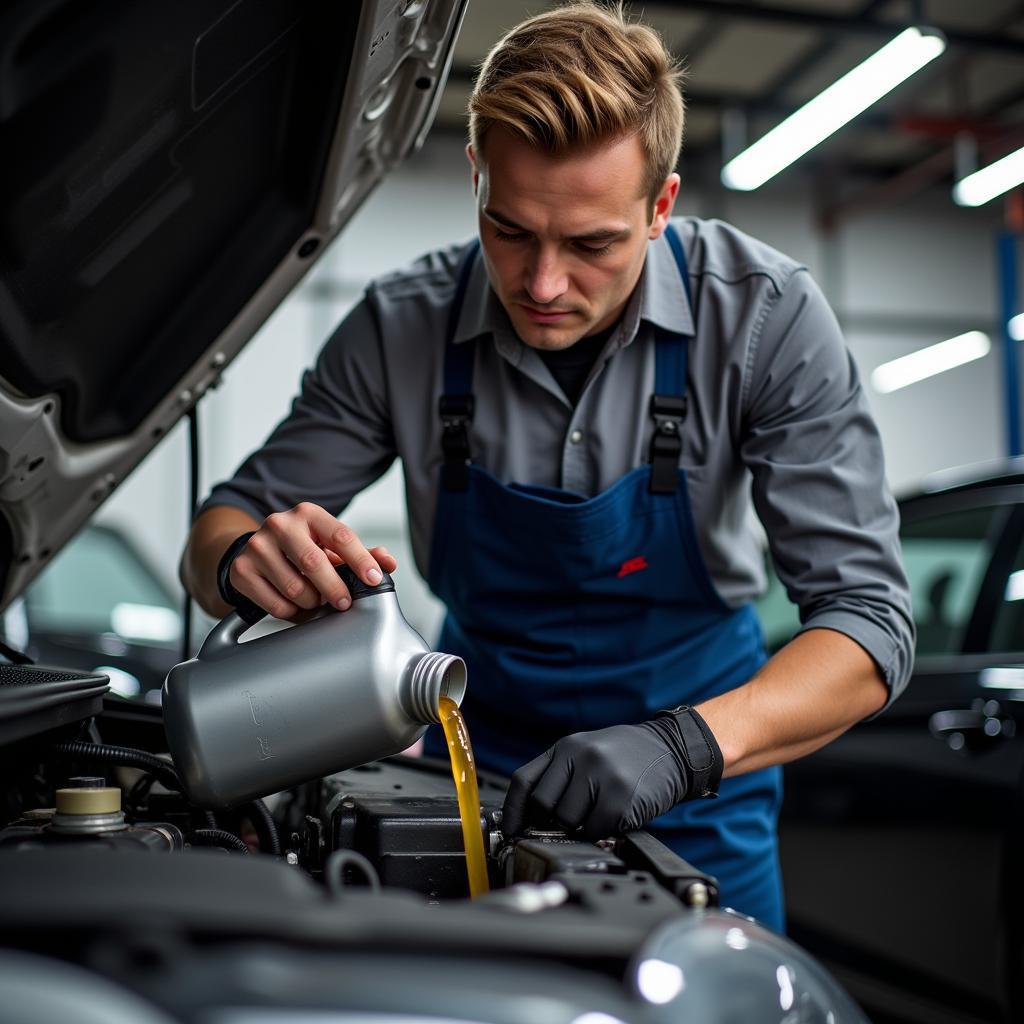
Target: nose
[(545, 280)]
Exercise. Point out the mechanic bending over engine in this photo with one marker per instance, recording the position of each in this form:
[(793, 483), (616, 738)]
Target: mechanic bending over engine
[(597, 572)]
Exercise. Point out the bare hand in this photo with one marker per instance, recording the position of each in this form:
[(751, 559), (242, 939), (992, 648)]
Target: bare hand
[(287, 567)]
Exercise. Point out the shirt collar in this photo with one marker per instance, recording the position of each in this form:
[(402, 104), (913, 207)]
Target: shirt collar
[(659, 298), (663, 298)]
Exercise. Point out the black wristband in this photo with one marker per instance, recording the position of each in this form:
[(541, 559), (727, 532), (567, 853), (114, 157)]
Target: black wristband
[(699, 750), (248, 609)]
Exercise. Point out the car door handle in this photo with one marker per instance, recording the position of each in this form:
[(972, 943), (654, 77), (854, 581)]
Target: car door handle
[(973, 729)]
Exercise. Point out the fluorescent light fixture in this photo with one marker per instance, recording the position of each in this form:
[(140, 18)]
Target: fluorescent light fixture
[(1015, 327), (981, 186), (145, 622), (842, 101), (1015, 586), (927, 362)]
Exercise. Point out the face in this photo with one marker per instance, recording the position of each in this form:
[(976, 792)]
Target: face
[(564, 238)]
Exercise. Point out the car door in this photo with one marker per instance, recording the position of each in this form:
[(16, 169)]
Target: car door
[(900, 841)]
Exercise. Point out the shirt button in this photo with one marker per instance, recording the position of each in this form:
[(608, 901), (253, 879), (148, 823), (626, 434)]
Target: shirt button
[(576, 436)]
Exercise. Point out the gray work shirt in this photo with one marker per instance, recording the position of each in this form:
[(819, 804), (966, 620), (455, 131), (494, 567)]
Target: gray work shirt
[(776, 415)]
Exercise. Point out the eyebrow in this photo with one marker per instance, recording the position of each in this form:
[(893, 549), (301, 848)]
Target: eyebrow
[(598, 235)]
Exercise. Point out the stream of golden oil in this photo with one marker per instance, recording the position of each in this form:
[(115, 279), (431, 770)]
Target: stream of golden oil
[(464, 772)]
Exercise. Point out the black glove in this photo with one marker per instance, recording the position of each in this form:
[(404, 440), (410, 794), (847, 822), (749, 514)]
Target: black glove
[(616, 780)]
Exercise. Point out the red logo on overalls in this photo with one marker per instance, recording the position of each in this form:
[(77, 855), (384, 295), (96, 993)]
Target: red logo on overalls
[(633, 565)]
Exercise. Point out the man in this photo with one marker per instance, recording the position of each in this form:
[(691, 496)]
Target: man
[(584, 402)]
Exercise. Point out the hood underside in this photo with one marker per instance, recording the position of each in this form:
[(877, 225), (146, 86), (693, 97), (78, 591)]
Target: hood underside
[(171, 171)]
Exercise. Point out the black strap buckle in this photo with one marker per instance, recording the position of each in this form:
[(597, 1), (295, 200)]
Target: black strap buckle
[(456, 415), (668, 412)]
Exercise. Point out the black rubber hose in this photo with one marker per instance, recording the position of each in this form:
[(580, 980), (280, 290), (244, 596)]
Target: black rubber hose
[(334, 871), (217, 837), (100, 753), (263, 823)]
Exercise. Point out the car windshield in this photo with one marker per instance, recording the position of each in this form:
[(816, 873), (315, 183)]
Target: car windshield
[(100, 584)]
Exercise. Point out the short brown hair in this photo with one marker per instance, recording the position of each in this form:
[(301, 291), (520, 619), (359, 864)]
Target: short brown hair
[(578, 75)]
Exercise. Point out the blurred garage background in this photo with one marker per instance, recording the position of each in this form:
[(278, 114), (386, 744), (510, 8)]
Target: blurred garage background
[(869, 211)]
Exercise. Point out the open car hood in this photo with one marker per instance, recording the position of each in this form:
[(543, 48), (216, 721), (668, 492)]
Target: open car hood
[(170, 172)]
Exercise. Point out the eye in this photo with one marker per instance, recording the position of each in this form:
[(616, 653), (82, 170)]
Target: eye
[(510, 236), (590, 250)]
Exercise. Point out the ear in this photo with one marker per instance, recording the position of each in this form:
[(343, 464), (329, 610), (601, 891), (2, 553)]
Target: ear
[(471, 156), (663, 204)]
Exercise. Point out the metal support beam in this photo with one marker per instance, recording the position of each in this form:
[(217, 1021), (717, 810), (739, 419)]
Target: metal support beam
[(835, 22), (914, 179), (1009, 239), (798, 68)]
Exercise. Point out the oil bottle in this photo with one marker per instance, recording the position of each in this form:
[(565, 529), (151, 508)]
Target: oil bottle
[(245, 719)]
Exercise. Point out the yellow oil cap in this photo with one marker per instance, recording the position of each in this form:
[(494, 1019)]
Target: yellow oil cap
[(89, 801)]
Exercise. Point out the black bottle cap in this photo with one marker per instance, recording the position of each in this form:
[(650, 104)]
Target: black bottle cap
[(357, 588)]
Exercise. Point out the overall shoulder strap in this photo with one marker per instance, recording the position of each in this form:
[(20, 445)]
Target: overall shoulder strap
[(456, 403), (668, 403)]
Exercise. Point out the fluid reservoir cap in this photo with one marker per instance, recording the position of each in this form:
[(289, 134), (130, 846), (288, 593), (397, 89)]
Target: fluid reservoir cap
[(86, 782), (106, 800)]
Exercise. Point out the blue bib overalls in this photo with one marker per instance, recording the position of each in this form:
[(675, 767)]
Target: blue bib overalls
[(578, 613)]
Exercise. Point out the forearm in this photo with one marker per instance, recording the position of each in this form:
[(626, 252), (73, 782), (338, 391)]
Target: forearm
[(211, 534), (810, 692)]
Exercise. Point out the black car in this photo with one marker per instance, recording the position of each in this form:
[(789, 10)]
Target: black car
[(170, 171), (901, 842)]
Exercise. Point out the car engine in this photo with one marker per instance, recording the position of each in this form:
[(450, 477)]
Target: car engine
[(344, 898)]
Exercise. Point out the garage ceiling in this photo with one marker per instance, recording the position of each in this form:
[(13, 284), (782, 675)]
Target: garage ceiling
[(750, 64)]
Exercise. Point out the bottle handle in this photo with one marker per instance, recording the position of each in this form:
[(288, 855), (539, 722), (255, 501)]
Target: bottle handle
[(224, 637)]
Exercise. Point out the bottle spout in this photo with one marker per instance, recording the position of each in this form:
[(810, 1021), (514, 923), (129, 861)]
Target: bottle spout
[(433, 676)]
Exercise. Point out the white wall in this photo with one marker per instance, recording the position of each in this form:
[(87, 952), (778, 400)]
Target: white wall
[(899, 279)]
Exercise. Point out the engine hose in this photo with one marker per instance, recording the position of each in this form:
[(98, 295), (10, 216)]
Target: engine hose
[(334, 871), (263, 822), (140, 791), (124, 756), (217, 837)]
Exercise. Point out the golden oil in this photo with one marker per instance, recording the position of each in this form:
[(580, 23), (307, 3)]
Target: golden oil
[(464, 772)]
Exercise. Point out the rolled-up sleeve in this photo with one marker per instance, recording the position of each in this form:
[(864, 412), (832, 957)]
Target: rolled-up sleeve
[(337, 438), (819, 485)]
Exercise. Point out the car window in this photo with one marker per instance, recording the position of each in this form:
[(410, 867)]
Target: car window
[(99, 584), (1008, 632), (945, 557)]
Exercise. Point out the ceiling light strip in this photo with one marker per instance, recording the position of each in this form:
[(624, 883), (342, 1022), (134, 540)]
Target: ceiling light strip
[(981, 186), (842, 101), (927, 362)]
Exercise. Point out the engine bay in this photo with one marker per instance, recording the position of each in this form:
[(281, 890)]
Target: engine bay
[(346, 893)]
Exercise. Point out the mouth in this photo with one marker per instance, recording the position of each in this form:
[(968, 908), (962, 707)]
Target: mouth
[(545, 316)]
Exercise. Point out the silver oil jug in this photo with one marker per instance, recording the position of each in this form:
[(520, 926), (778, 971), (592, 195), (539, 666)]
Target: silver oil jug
[(247, 719)]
